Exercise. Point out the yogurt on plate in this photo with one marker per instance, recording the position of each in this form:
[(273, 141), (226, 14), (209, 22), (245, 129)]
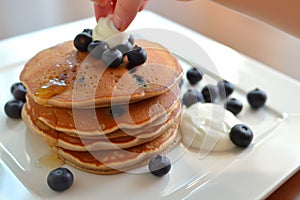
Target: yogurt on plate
[(206, 126)]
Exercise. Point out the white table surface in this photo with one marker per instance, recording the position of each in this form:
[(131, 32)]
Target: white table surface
[(19, 49)]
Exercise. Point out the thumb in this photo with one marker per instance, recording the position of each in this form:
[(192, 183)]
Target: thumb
[(125, 11)]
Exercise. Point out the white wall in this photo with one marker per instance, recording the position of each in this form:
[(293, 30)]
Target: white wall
[(21, 16)]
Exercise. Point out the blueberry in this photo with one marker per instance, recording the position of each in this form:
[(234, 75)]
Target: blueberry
[(82, 40), (159, 165), (14, 86), (234, 105), (192, 96), (124, 48), (60, 179), (137, 56), (241, 135), (96, 48), (112, 58), (13, 108), (194, 75), (256, 98), (19, 91), (210, 93), (131, 39), (225, 88), (89, 31)]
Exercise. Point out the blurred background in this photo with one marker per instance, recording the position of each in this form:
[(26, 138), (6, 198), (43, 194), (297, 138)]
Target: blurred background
[(18, 17), (265, 30)]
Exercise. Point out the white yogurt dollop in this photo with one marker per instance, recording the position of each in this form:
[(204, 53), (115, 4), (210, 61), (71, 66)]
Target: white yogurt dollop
[(105, 30), (206, 126)]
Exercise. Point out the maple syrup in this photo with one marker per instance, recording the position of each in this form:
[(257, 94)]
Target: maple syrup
[(52, 88), (50, 161)]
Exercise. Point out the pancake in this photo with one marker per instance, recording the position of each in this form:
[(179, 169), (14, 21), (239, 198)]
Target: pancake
[(115, 134), (63, 140), (120, 160), (61, 76), (104, 120)]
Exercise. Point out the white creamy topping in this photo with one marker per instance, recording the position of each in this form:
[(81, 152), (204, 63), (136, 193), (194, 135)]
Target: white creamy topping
[(206, 126), (105, 30)]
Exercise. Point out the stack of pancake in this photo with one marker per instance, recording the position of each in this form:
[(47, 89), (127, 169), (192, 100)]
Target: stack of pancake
[(98, 119)]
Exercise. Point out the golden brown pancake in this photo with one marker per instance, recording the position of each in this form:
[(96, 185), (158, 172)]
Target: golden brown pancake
[(115, 134), (120, 160), (104, 120), (63, 140), (98, 119), (61, 76)]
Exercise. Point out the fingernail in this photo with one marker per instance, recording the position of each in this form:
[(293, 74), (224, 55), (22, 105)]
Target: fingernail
[(117, 21)]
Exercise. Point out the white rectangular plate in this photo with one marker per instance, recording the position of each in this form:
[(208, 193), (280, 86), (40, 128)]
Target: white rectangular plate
[(237, 174)]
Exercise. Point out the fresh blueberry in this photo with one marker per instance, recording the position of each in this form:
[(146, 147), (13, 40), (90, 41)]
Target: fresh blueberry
[(82, 40), (112, 58), (192, 96), (234, 105), (124, 48), (210, 93), (241, 135), (194, 75), (89, 31), (131, 39), (256, 98), (96, 48), (159, 165), (60, 179), (13, 108), (14, 86), (137, 56), (92, 45), (225, 88), (19, 91)]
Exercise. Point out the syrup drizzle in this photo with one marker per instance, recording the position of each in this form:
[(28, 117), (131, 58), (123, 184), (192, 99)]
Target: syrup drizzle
[(52, 88), (50, 161)]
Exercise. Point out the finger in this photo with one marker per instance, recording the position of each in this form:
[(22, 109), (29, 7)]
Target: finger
[(143, 5), (125, 12), (102, 8), (101, 3)]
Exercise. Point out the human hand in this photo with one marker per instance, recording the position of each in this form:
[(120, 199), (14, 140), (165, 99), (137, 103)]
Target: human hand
[(123, 11)]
